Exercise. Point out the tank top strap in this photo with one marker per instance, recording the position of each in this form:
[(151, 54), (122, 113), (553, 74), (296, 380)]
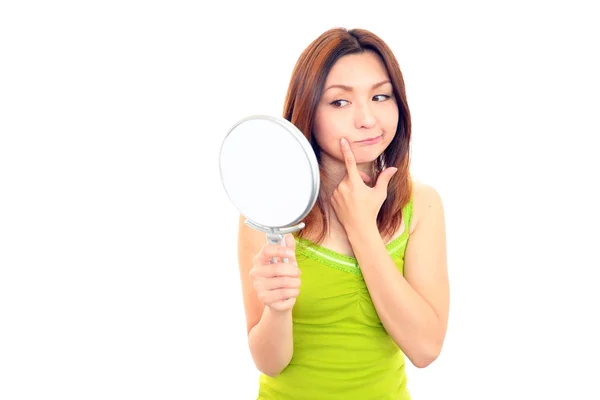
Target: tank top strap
[(407, 215)]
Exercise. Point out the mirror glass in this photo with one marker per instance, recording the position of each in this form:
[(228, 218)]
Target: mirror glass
[(269, 171)]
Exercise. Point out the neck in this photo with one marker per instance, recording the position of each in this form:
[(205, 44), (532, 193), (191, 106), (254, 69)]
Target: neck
[(334, 171)]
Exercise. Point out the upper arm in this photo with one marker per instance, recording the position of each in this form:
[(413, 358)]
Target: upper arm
[(250, 242), (425, 264)]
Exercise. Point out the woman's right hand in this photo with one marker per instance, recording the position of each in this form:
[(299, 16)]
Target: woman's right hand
[(277, 285)]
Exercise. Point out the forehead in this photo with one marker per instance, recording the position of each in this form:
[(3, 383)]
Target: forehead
[(361, 69)]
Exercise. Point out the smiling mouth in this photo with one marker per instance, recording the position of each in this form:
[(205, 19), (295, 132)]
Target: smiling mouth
[(372, 140)]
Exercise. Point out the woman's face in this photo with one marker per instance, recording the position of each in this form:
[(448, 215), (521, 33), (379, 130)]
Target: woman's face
[(357, 103)]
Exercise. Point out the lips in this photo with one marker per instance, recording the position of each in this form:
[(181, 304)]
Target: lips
[(372, 140)]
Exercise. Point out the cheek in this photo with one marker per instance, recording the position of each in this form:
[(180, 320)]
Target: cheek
[(389, 120), (328, 131), (328, 142)]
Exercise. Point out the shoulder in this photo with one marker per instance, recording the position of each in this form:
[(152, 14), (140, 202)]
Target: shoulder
[(427, 203), (425, 194)]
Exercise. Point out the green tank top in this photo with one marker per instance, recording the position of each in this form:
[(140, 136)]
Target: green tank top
[(341, 349)]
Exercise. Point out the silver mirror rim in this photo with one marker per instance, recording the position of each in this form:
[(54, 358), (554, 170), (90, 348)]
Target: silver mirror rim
[(308, 151)]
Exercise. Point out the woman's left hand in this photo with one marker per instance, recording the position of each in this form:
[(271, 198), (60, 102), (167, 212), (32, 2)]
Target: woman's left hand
[(355, 204)]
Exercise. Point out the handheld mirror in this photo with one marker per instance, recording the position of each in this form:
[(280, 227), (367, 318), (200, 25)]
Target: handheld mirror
[(270, 173)]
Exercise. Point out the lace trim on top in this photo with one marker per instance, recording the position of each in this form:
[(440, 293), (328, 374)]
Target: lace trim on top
[(347, 263)]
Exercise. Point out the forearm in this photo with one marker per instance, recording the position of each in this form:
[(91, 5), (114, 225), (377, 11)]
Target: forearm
[(271, 341), (407, 317)]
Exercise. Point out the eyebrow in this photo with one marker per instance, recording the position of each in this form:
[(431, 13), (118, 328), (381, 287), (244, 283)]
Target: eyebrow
[(349, 88)]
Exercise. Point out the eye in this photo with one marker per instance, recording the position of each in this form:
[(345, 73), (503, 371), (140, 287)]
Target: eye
[(337, 103), (383, 97)]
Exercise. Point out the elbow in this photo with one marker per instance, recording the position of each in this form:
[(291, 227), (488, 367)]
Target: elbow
[(426, 356), (423, 361), (272, 367), (270, 372)]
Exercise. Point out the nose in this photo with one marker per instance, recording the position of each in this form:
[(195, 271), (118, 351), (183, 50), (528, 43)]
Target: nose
[(364, 116)]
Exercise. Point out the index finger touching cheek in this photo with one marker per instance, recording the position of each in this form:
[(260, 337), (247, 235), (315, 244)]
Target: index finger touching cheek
[(349, 159)]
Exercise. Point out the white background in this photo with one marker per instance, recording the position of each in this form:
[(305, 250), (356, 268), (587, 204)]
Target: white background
[(119, 274)]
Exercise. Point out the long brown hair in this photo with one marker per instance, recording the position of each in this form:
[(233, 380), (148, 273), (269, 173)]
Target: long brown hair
[(303, 96)]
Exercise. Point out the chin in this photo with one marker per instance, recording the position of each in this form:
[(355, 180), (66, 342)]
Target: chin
[(368, 155)]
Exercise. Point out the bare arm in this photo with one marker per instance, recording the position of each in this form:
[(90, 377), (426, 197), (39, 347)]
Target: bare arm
[(413, 308), (271, 342), (269, 328)]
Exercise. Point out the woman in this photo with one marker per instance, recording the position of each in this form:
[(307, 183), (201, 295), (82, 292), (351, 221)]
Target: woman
[(366, 282)]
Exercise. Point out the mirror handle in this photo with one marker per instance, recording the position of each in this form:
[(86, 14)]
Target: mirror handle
[(275, 235)]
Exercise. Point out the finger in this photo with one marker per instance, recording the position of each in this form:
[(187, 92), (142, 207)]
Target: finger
[(349, 160), (384, 178), (276, 270), (290, 241), (279, 282), (275, 250), (279, 294), (283, 305), (366, 178)]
